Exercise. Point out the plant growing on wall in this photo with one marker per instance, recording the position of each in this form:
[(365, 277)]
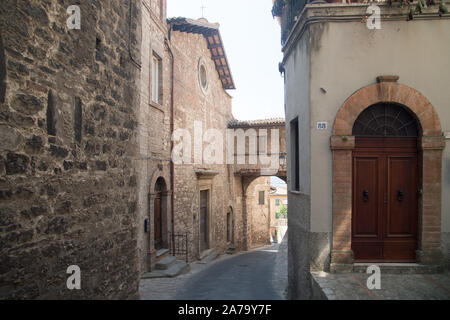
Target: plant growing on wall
[(282, 213), (420, 5), (278, 5), (277, 9)]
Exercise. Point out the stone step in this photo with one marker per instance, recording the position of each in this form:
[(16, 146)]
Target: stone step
[(205, 253), (210, 257), (161, 253), (231, 250), (399, 268), (165, 263), (176, 269)]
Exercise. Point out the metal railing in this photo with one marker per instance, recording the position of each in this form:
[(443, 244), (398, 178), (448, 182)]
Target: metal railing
[(288, 17), (179, 244)]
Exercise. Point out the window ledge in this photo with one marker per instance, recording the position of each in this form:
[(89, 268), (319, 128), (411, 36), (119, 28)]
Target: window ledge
[(157, 106)]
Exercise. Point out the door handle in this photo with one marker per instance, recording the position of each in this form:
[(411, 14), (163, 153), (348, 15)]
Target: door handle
[(366, 195), (400, 195)]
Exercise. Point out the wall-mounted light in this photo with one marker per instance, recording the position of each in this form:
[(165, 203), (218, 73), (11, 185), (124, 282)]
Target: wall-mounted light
[(282, 160)]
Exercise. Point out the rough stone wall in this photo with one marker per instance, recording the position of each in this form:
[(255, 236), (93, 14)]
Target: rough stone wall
[(68, 124), (154, 129), (258, 214), (213, 109), (239, 222)]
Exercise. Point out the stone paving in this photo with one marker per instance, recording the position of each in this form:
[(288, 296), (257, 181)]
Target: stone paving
[(352, 286), (259, 274)]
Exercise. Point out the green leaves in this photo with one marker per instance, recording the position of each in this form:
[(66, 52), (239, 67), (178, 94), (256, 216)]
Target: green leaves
[(443, 8), (421, 4)]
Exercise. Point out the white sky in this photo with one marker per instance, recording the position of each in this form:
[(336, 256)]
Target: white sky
[(252, 44)]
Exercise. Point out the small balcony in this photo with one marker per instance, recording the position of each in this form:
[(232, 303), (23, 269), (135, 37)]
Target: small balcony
[(287, 12)]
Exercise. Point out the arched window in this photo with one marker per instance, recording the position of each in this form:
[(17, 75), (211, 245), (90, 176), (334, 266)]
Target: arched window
[(386, 120)]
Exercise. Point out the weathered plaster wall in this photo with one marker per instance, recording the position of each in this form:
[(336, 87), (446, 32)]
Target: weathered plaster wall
[(297, 104), (340, 47)]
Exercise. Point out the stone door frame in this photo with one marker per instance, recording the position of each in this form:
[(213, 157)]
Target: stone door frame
[(431, 145), (205, 185), (165, 211)]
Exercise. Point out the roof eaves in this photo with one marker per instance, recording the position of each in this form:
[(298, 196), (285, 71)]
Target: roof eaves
[(215, 45), (256, 123)]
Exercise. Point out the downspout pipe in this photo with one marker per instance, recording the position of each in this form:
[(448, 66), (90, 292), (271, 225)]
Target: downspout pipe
[(172, 168)]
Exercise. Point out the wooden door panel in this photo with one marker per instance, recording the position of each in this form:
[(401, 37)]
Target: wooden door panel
[(158, 223), (399, 251), (384, 224), (204, 217), (367, 250), (366, 197), (203, 228), (402, 197)]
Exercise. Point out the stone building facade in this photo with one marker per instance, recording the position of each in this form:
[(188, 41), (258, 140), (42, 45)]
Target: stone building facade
[(201, 78), (154, 127), (339, 78), (205, 104), (258, 203), (69, 111)]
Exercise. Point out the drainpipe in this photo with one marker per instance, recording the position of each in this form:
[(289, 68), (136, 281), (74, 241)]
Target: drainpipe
[(172, 169)]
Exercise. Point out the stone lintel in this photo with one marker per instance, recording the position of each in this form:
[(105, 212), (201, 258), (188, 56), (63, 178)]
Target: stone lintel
[(205, 174)]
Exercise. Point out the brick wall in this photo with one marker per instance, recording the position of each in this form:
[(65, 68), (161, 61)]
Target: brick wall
[(68, 124)]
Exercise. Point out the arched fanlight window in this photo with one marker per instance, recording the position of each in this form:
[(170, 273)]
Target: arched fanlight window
[(386, 120)]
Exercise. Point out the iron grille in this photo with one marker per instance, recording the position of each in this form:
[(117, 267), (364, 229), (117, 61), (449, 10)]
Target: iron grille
[(386, 120), (289, 17), (179, 245)]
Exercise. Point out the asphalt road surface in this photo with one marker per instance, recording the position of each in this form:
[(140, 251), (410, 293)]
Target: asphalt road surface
[(247, 276)]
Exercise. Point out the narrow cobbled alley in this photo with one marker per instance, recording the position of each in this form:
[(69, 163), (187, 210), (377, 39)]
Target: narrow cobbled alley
[(260, 274)]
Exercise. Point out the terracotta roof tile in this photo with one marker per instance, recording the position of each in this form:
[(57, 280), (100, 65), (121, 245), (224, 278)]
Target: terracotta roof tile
[(256, 123)]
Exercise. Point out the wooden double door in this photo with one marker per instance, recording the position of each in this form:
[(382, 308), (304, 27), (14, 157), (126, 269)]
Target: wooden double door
[(385, 199), (204, 220), (158, 222)]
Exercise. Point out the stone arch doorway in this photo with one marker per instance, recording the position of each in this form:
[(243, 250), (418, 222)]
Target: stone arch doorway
[(430, 144), (160, 237)]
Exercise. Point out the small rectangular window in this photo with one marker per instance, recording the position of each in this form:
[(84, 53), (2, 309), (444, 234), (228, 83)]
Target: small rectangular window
[(295, 155), (156, 79), (277, 202), (262, 196)]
